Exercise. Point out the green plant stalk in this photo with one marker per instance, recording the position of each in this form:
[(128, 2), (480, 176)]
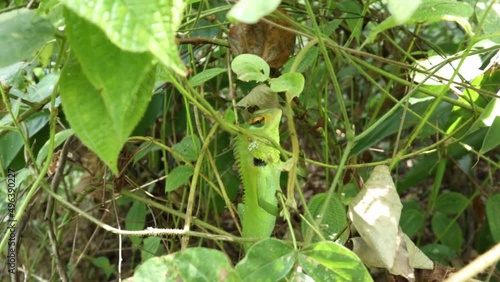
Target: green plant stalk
[(286, 215), (177, 156), (292, 174), (435, 104), (348, 128), (408, 83), (194, 183), (438, 180), (19, 129), (225, 197), (177, 213), (41, 176), (148, 231)]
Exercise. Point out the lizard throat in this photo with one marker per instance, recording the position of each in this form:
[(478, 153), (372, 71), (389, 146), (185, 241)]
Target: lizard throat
[(259, 162)]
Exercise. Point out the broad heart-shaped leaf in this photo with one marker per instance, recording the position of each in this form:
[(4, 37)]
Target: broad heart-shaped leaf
[(375, 213), (137, 26), (117, 74), (189, 147), (250, 11), (451, 203), (328, 261), (292, 83), (333, 223), (149, 248), (22, 32), (193, 264), (267, 260), (447, 231), (250, 67), (412, 218), (88, 115)]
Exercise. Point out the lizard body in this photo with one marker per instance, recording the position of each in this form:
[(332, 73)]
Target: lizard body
[(258, 167)]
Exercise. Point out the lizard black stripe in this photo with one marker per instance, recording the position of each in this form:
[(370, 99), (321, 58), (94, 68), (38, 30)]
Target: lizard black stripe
[(259, 162)]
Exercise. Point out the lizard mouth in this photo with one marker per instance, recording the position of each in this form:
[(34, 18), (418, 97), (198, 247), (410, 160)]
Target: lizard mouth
[(259, 162)]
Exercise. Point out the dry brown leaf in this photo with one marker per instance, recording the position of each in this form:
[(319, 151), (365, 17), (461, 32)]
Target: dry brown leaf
[(273, 44), (375, 214)]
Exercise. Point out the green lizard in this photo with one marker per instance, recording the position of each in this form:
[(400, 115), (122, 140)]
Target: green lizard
[(259, 171)]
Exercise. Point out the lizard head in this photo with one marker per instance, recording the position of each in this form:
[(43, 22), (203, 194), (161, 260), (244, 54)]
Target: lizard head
[(265, 122)]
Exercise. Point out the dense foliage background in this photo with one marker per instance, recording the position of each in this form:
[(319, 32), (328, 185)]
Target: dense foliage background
[(118, 116)]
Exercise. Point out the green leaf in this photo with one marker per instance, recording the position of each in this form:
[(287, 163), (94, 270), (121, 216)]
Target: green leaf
[(402, 10), (491, 140), (391, 123), (97, 123), (250, 11), (205, 75), (178, 176), (292, 83), (156, 269), (328, 261), (449, 10), (447, 231), (193, 264), (267, 260), (430, 11), (42, 89), (307, 60), (136, 216), (491, 20), (189, 147), (492, 214), (412, 218), (202, 264), (22, 32), (11, 142), (104, 264), (438, 252), (137, 26), (250, 67), (451, 203), (116, 74), (59, 138), (333, 223), (150, 247)]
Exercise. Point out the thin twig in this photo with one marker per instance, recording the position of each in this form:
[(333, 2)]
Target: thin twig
[(478, 265)]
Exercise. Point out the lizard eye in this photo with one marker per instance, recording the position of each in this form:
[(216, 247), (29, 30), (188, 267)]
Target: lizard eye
[(257, 122)]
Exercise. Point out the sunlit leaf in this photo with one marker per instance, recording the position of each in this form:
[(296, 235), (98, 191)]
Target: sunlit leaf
[(375, 214), (250, 11), (250, 67), (147, 25), (328, 261), (266, 260), (291, 83)]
